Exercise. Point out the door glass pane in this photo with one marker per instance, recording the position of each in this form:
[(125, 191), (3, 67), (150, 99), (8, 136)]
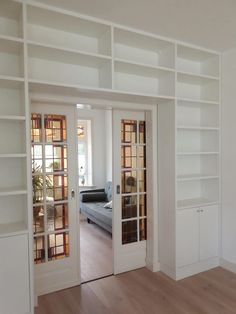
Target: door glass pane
[(50, 185), (57, 188), (129, 181), (129, 131), (133, 181), (142, 181), (128, 156), (142, 132), (58, 246), (36, 128), (55, 128), (129, 231), (39, 250), (57, 217), (142, 156), (142, 205), (38, 219), (129, 206), (142, 229)]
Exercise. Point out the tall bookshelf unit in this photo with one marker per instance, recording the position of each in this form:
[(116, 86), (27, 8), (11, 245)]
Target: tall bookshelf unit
[(46, 48)]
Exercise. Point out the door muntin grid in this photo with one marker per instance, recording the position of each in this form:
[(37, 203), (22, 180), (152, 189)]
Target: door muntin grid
[(133, 181), (50, 187)]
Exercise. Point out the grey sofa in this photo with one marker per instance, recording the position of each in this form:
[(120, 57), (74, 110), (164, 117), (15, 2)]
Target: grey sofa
[(92, 206)]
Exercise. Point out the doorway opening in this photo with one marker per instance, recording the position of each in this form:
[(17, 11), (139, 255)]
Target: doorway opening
[(94, 135)]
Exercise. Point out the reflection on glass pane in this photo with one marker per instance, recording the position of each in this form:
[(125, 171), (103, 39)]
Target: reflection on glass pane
[(129, 156), (38, 218), (55, 158), (58, 246), (81, 131), (142, 132), (36, 128), (129, 206), (142, 205), (129, 131), (142, 181), (143, 229), (39, 250), (142, 156), (129, 231), (129, 181), (37, 184), (56, 190), (57, 217), (55, 128)]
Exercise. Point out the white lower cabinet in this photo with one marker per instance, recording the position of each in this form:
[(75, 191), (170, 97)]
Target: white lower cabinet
[(14, 275), (197, 235)]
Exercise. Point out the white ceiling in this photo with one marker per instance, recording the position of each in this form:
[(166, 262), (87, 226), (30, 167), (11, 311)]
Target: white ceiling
[(207, 23)]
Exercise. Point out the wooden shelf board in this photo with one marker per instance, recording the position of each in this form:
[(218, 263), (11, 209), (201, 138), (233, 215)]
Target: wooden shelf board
[(203, 128), (111, 94), (198, 76), (13, 191), (13, 229), (13, 155), (145, 65), (197, 153), (191, 100), (196, 202), (63, 49), (12, 117), (191, 177)]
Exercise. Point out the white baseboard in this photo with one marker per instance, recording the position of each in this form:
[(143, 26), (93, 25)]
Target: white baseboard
[(190, 270), (228, 265), (168, 271), (152, 266)]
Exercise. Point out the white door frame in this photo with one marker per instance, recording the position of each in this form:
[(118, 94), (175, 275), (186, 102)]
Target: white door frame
[(152, 260)]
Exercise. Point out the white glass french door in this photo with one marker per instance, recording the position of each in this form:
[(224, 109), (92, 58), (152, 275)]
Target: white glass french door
[(54, 184), (130, 193)]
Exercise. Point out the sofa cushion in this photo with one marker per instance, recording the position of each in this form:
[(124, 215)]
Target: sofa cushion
[(108, 190), (97, 210), (94, 197)]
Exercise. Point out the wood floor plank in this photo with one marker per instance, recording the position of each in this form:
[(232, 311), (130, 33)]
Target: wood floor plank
[(95, 251), (144, 292)]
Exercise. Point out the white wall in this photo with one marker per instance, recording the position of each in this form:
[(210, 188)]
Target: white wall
[(98, 144), (229, 159), (108, 117)]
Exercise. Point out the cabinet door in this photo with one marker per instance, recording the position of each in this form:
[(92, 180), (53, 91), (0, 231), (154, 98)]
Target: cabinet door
[(187, 242), (14, 275), (209, 229)]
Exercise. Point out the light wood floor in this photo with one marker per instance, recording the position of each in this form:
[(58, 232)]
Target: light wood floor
[(95, 250), (144, 292)]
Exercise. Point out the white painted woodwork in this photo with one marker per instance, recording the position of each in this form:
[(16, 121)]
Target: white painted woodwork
[(132, 255), (63, 273), (59, 52), (135, 47), (209, 232), (197, 235), (11, 19), (14, 275), (187, 237)]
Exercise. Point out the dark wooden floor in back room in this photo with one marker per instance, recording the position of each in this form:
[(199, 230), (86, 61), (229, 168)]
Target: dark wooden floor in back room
[(142, 291)]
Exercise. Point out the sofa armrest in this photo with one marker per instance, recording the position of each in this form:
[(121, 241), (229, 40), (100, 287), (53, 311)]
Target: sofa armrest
[(93, 197), (92, 191)]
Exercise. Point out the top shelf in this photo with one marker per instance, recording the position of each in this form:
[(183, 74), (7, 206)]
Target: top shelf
[(197, 62), (135, 47), (62, 30), (11, 19)]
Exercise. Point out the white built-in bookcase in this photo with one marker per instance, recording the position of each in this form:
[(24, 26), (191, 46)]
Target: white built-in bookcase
[(45, 46)]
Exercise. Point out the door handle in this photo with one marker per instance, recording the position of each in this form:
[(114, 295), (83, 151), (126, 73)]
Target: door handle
[(72, 194), (118, 189)]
